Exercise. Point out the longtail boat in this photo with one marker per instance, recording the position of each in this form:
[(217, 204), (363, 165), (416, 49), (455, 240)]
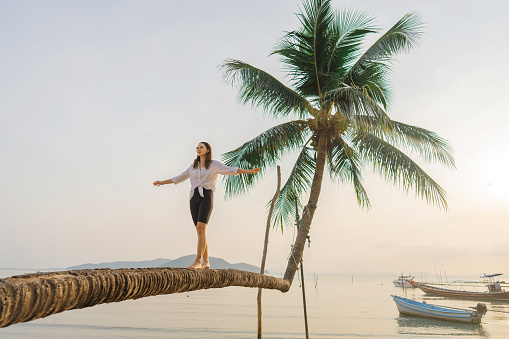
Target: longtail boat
[(495, 292), (422, 309)]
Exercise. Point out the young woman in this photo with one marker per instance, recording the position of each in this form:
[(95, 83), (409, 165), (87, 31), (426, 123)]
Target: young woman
[(203, 175)]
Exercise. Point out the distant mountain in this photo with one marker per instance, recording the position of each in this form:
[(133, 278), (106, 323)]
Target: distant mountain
[(215, 263), (121, 264)]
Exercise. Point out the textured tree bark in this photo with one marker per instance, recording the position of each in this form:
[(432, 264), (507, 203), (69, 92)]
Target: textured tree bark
[(308, 212), (265, 246), (32, 296)]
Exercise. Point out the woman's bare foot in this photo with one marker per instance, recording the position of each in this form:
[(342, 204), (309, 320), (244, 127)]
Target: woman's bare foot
[(196, 265), (205, 265)]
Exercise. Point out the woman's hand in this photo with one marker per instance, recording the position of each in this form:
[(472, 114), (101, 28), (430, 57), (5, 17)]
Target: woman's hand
[(158, 183)]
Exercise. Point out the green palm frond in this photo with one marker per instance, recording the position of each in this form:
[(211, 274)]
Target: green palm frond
[(298, 182), (402, 37), (262, 152), (305, 51), (373, 78), (349, 29), (344, 164), (429, 145), (398, 168), (263, 90), (356, 104), (295, 49)]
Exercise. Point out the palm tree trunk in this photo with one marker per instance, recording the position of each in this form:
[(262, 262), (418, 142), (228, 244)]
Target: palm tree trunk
[(308, 212), (32, 296), (265, 246)]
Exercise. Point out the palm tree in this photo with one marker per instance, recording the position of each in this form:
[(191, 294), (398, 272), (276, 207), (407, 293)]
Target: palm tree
[(336, 103)]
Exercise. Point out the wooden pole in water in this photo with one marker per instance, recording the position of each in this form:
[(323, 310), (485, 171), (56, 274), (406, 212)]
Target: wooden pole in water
[(264, 256), (304, 299), (297, 224)]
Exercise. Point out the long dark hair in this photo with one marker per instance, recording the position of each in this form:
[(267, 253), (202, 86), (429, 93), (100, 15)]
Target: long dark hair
[(208, 156)]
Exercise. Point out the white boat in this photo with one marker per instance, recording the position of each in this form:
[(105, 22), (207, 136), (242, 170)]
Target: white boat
[(404, 281), (422, 309)]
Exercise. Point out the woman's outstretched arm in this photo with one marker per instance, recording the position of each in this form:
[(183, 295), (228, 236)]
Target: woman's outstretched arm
[(175, 180), (227, 170), (163, 182)]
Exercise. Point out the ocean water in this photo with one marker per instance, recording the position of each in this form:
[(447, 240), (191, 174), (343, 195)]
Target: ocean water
[(337, 306)]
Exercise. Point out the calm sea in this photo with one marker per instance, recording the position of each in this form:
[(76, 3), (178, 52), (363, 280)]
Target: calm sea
[(338, 306)]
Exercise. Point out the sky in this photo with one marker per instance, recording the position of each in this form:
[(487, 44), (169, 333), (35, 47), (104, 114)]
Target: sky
[(98, 99)]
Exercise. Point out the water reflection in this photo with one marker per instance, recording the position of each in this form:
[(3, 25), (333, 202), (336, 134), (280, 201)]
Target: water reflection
[(424, 326)]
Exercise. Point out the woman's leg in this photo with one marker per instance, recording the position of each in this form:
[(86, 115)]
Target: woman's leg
[(194, 204), (205, 263), (206, 206), (201, 229), (201, 208)]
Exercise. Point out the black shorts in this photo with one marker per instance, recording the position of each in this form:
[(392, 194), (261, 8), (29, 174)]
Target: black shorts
[(201, 207)]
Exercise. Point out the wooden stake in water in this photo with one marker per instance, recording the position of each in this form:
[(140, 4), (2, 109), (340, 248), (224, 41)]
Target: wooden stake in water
[(304, 299), (264, 255), (297, 224)]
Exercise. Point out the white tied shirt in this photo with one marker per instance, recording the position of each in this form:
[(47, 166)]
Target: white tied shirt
[(204, 177)]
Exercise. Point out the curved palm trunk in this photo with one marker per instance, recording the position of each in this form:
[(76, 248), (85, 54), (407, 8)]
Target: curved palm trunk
[(308, 212), (32, 296)]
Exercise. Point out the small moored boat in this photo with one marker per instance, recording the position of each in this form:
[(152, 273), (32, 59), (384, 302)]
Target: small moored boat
[(422, 309), (404, 281), (494, 292)]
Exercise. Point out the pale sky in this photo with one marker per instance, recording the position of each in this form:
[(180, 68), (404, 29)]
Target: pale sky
[(98, 99)]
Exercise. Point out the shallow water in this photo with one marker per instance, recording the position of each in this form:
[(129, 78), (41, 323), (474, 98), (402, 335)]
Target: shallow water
[(338, 306)]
